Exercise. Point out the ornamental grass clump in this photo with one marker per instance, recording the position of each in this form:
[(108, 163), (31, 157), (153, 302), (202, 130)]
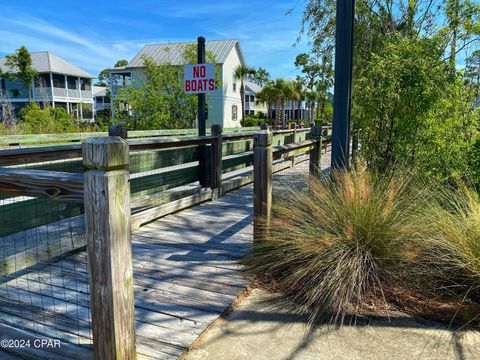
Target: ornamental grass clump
[(450, 259), (335, 245)]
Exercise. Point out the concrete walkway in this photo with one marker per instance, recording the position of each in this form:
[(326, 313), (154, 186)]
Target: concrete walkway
[(258, 329)]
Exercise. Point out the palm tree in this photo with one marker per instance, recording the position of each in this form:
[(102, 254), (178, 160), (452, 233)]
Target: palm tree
[(242, 72), (284, 90), (268, 95), (311, 97), (299, 95)]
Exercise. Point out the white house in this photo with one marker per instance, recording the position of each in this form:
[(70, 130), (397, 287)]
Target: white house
[(58, 84), (100, 99), (224, 105), (252, 106)]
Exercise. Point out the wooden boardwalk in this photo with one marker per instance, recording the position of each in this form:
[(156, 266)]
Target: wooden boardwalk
[(185, 276)]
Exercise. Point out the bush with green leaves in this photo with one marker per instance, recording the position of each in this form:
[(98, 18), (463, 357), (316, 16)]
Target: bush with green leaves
[(253, 121), (34, 119)]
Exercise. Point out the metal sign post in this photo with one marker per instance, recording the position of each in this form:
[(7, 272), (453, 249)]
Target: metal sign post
[(202, 150), (201, 96), (343, 83)]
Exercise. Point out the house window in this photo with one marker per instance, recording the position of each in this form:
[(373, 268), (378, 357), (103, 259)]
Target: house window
[(2, 84), (234, 112), (234, 83), (42, 80), (58, 81), (72, 83), (85, 84), (247, 98)]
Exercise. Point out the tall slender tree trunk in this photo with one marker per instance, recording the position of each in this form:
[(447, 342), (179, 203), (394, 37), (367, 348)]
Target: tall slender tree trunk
[(242, 95), (453, 24)]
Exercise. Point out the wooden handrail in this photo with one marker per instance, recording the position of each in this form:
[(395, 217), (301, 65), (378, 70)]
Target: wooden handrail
[(39, 154), (54, 185), (300, 147), (170, 142), (10, 157)]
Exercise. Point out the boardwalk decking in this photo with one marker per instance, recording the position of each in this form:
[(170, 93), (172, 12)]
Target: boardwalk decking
[(185, 276)]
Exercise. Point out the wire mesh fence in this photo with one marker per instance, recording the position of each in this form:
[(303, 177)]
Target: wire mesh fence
[(160, 176), (43, 276), (44, 285)]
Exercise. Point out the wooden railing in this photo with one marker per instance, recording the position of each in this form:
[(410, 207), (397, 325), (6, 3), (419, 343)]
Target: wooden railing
[(263, 168), (103, 186), (24, 140)]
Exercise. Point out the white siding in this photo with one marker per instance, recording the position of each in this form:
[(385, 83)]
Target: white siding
[(231, 97)]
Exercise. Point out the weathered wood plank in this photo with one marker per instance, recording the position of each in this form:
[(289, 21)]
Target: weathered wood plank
[(262, 184), (52, 185), (293, 149), (108, 232), (37, 154), (156, 183), (216, 161), (316, 152), (148, 215), (68, 351)]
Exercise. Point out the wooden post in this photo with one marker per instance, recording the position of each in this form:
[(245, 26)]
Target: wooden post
[(216, 161), (316, 152), (118, 130), (262, 182), (107, 222), (293, 140)]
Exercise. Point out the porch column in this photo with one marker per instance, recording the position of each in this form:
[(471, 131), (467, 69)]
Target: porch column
[(51, 90)]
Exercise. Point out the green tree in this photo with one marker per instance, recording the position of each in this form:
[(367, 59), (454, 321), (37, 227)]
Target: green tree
[(158, 102), (463, 26), (405, 86), (268, 94), (121, 63), (20, 64), (261, 76), (243, 72), (104, 75), (317, 77), (472, 73)]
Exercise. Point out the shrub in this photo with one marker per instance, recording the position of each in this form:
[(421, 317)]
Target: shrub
[(35, 119), (253, 121), (62, 122), (450, 259), (339, 242)]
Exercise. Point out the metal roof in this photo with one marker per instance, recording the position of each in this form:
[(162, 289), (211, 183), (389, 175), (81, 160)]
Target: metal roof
[(99, 91), (45, 62), (251, 87), (173, 52)]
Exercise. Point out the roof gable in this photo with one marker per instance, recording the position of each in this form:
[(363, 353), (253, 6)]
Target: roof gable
[(251, 87), (45, 62), (173, 52)]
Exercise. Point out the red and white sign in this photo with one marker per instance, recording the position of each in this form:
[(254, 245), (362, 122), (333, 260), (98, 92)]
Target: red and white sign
[(199, 78)]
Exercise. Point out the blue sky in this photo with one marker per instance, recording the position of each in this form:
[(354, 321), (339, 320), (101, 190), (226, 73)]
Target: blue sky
[(95, 34)]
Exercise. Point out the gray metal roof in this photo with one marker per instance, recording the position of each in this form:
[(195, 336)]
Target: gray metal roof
[(173, 52), (45, 62), (251, 87), (99, 91)]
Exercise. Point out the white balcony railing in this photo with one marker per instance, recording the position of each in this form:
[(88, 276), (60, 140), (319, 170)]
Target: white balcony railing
[(73, 94), (59, 92), (102, 106), (87, 94)]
